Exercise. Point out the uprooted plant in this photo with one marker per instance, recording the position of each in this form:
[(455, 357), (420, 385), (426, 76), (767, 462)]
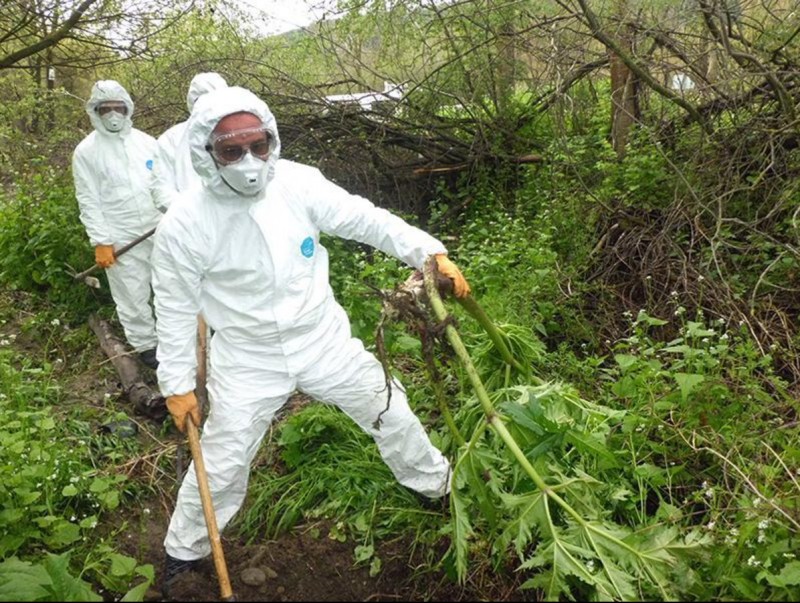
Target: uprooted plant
[(534, 475)]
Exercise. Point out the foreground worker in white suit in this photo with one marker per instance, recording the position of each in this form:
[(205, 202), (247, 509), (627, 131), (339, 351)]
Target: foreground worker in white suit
[(174, 170), (114, 184), (246, 253)]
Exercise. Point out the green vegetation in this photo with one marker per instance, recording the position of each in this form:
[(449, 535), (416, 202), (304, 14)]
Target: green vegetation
[(624, 426), (58, 484)]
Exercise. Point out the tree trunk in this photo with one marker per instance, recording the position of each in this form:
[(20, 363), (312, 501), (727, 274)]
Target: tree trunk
[(145, 401), (624, 102)]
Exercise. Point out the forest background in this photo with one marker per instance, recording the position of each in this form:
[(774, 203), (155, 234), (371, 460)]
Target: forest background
[(619, 181)]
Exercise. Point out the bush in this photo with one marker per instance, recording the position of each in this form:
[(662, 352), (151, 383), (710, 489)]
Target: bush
[(42, 238)]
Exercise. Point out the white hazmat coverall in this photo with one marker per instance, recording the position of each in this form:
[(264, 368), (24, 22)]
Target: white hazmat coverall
[(256, 270), (113, 174), (174, 171)]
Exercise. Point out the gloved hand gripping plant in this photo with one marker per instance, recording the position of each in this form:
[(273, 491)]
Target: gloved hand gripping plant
[(534, 479)]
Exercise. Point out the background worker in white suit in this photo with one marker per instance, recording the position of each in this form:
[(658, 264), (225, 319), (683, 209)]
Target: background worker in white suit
[(174, 169), (113, 171)]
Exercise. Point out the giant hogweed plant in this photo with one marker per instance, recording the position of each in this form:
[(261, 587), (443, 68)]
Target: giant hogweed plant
[(534, 475)]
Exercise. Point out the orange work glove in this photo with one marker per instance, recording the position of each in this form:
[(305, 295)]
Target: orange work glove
[(104, 255), (181, 405), (451, 271)]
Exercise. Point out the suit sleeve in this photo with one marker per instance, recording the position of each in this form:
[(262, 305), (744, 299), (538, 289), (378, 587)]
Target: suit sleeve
[(165, 186), (177, 273), (338, 212), (89, 202)]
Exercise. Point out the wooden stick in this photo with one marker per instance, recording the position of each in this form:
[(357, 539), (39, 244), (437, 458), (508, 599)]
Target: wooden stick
[(82, 275), (201, 389), (208, 510)]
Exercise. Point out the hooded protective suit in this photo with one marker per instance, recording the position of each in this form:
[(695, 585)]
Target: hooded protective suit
[(113, 174), (174, 171), (255, 269)]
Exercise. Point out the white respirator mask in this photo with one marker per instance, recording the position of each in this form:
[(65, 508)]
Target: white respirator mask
[(247, 177), (113, 121)]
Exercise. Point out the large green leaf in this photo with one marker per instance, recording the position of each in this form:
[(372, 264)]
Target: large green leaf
[(22, 581)]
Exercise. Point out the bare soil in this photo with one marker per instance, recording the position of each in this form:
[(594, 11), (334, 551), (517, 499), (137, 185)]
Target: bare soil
[(306, 565)]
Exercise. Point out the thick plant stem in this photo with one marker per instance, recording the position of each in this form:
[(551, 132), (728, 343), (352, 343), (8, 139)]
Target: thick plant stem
[(476, 311), (455, 340), (448, 416)]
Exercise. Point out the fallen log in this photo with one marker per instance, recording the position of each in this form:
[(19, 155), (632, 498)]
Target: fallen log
[(145, 401)]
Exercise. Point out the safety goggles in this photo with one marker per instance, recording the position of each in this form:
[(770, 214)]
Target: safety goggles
[(226, 150), (104, 108)]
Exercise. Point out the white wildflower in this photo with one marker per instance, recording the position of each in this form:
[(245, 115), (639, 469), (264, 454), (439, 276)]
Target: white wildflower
[(753, 562), (763, 524), (55, 322), (710, 525)]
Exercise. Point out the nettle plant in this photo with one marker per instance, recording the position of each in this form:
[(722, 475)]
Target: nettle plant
[(707, 430)]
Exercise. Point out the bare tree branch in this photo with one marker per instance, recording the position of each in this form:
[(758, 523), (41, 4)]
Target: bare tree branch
[(50, 39)]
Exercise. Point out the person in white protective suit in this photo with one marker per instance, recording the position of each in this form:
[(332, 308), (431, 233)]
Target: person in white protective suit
[(113, 173), (174, 171), (246, 253)]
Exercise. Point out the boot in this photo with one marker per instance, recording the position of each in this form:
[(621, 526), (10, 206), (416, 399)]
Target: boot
[(172, 569), (148, 358)]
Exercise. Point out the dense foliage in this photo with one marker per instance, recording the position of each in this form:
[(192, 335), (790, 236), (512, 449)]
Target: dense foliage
[(640, 443)]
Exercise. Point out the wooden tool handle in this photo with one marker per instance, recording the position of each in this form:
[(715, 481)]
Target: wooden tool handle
[(208, 510), (117, 253)]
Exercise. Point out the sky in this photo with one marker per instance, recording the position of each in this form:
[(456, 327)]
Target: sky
[(284, 15)]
